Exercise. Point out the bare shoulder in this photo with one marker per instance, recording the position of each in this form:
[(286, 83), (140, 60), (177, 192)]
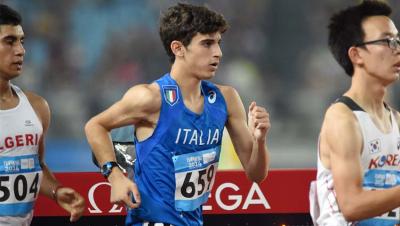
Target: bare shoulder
[(145, 96), (230, 94), (233, 101), (38, 103), (340, 124), (227, 91), (35, 100), (339, 119), (339, 112)]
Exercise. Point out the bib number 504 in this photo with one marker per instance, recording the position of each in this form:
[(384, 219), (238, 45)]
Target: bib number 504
[(20, 181), (190, 186)]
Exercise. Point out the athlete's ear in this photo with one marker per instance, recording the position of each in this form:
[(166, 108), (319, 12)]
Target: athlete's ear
[(177, 48), (355, 55)]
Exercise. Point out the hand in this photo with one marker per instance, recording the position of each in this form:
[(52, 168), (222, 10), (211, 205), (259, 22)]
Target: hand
[(258, 122), (71, 201), (121, 188)]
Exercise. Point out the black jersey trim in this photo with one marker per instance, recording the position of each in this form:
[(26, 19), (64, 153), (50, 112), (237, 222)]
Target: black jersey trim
[(349, 103)]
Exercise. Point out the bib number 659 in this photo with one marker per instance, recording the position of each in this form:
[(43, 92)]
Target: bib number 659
[(189, 186)]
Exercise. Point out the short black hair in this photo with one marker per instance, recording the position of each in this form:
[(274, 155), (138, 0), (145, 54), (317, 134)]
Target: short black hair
[(345, 29), (183, 21), (9, 16)]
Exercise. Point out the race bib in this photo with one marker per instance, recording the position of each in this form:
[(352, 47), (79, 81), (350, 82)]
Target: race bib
[(377, 180), (194, 177), (20, 179)]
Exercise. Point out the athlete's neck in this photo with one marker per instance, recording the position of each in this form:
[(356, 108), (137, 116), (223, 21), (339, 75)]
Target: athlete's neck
[(5, 90), (190, 87), (368, 92), (188, 83)]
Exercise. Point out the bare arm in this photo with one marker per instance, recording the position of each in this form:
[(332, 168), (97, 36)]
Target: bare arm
[(66, 197), (341, 137), (135, 107), (43, 112), (138, 106), (248, 138)]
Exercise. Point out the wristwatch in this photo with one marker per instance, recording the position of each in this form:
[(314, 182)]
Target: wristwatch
[(107, 167)]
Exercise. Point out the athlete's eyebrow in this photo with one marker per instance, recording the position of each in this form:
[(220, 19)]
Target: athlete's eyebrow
[(10, 37), (13, 37), (211, 40), (385, 34), (208, 40)]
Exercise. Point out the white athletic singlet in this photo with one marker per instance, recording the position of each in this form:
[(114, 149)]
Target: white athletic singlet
[(20, 171), (380, 161)]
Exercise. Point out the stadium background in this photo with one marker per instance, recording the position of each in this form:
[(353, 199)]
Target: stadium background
[(82, 55)]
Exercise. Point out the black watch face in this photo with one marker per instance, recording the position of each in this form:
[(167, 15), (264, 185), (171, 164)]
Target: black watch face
[(106, 168), (104, 172), (103, 169)]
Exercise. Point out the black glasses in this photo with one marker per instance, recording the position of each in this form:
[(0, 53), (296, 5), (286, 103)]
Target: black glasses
[(393, 43)]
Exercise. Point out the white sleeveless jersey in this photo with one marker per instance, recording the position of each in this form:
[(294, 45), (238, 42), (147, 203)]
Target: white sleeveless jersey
[(380, 161), (20, 171)]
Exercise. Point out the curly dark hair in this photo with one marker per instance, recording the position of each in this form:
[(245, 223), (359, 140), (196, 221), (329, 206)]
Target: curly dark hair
[(345, 29), (183, 21), (9, 16)]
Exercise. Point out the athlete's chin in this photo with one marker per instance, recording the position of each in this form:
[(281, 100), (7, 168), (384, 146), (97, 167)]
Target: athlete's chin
[(13, 74), (395, 77), (389, 80), (209, 75)]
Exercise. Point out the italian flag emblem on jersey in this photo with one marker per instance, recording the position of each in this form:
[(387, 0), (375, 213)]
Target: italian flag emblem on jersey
[(171, 94)]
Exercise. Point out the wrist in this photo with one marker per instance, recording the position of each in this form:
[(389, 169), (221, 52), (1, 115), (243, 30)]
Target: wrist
[(108, 167), (54, 191), (259, 140), (115, 174)]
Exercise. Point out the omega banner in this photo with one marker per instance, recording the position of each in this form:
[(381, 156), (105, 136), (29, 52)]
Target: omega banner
[(280, 200)]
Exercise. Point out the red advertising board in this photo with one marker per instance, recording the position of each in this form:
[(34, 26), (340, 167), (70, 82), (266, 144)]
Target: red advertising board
[(284, 191)]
